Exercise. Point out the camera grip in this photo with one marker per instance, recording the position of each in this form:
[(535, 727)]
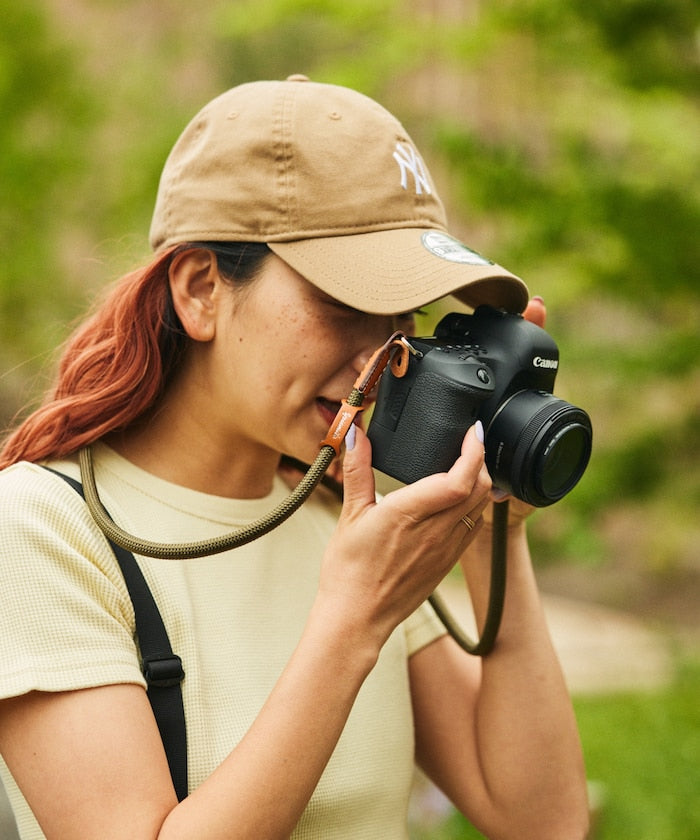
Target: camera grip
[(427, 437)]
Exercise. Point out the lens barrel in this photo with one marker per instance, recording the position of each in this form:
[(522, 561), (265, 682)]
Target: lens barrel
[(538, 446)]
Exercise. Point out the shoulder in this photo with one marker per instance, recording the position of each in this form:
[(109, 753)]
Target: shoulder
[(42, 516), (26, 480), (30, 493), (67, 620)]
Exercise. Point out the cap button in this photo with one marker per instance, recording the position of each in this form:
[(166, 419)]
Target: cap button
[(298, 77)]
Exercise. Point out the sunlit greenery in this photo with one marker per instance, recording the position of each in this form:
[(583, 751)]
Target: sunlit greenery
[(564, 136)]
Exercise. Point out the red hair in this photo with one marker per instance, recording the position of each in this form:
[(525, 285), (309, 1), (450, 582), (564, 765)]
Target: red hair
[(117, 365), (112, 370)]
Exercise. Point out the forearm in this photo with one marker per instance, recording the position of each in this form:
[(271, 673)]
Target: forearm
[(263, 786), (526, 735)]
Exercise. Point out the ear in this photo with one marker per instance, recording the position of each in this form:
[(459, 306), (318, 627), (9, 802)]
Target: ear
[(194, 286)]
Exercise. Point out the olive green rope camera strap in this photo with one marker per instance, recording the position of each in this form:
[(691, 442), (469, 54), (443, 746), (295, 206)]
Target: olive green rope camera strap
[(394, 352)]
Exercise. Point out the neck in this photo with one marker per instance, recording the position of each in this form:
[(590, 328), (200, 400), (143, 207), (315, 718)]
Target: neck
[(177, 447)]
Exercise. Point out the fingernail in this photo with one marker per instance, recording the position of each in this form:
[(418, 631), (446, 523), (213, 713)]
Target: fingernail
[(538, 298), (350, 437), (479, 431)]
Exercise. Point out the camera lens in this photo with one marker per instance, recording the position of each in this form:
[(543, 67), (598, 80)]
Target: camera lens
[(538, 447)]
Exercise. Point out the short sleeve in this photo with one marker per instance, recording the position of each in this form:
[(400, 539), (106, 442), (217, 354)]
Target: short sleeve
[(67, 621), (422, 627)]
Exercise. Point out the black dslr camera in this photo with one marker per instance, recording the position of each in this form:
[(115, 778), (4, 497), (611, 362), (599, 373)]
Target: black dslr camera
[(491, 366)]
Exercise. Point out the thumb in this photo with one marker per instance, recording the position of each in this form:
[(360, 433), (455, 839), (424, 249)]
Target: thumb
[(358, 478)]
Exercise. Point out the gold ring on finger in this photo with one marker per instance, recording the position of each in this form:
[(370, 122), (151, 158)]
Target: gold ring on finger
[(468, 522)]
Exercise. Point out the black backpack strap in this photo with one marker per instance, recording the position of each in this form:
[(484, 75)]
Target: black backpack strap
[(161, 667)]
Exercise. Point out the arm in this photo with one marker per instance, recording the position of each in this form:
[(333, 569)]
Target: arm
[(499, 735), (90, 762)]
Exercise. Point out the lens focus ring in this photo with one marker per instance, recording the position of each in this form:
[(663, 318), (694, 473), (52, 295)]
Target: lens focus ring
[(538, 447)]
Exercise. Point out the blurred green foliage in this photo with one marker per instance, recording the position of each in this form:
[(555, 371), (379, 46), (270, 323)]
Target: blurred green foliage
[(643, 749), (46, 115), (564, 136)]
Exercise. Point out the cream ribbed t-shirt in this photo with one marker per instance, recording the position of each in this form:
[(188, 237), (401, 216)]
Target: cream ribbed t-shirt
[(234, 618)]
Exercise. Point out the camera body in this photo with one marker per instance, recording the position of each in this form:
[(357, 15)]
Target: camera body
[(491, 366)]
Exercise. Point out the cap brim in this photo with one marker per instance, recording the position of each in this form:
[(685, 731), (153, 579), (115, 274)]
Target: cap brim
[(387, 272)]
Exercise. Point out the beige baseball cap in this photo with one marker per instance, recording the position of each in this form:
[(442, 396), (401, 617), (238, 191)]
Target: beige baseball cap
[(333, 183)]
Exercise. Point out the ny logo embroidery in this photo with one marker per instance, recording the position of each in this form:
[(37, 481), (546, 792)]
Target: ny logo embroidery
[(409, 161)]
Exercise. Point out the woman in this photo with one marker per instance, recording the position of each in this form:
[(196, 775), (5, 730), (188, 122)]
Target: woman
[(295, 228)]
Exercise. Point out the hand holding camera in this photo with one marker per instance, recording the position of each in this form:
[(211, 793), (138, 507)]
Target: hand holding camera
[(387, 556)]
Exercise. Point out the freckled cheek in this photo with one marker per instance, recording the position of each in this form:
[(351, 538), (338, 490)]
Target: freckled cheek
[(306, 343)]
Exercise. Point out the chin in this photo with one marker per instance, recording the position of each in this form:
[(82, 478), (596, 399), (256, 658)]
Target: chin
[(306, 445), (305, 453)]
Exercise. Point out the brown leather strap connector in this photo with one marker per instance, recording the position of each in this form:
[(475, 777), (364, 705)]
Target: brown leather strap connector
[(395, 351), (339, 427)]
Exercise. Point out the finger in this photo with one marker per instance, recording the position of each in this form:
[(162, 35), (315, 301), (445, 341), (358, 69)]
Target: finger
[(475, 512), (474, 438), (464, 485), (467, 526), (471, 458), (536, 311), (358, 478)]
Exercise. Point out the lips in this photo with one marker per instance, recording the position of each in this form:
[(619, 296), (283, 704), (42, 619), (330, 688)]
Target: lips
[(328, 409)]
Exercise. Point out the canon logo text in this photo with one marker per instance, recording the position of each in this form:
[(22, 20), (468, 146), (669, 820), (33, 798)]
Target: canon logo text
[(539, 362)]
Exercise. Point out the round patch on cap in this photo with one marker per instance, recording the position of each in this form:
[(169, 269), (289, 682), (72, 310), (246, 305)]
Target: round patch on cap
[(451, 249)]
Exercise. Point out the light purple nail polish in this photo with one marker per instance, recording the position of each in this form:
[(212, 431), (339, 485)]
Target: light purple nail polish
[(479, 431), (350, 437)]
